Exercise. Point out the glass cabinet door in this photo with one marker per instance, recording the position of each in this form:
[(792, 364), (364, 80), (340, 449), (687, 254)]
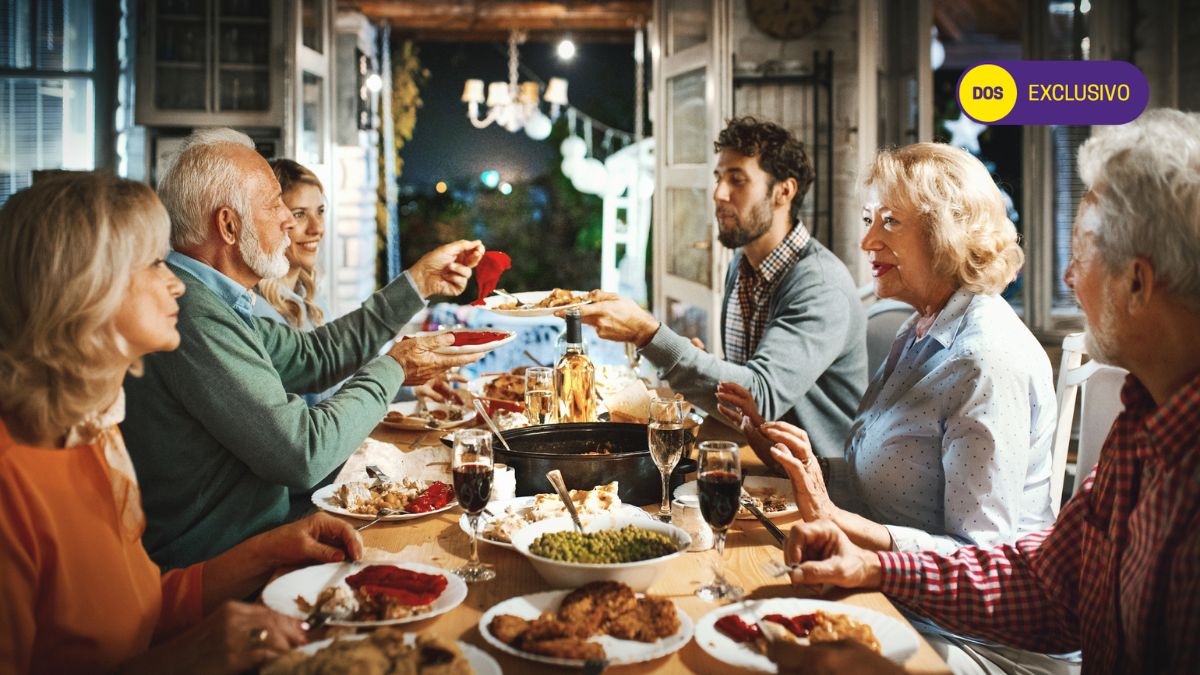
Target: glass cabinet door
[(243, 55), (181, 30)]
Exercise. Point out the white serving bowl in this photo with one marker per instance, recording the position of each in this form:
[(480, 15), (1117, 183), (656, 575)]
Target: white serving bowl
[(637, 575)]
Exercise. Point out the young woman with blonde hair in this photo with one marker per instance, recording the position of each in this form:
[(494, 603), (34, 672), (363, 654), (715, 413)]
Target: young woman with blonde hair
[(87, 295), (292, 298)]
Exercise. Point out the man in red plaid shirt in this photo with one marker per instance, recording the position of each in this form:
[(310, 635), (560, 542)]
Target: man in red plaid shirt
[(1118, 575)]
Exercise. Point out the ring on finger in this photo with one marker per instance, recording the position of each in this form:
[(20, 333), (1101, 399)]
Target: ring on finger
[(258, 636)]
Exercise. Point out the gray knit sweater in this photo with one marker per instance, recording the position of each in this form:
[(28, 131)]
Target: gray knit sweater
[(810, 367)]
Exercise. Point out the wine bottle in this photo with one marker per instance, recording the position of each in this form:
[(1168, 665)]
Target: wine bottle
[(575, 376)]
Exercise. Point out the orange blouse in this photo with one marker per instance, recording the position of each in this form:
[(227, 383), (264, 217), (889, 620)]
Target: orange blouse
[(77, 591)]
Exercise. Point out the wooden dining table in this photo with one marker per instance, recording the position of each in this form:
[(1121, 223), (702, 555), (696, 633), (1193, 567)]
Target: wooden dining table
[(438, 540)]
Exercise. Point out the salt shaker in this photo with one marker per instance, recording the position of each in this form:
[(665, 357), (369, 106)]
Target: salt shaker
[(685, 514), (504, 482)]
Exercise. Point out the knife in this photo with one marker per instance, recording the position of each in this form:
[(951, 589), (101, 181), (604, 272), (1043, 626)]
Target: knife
[(747, 502)]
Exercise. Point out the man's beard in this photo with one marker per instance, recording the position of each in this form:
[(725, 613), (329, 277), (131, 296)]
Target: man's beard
[(270, 266), (759, 221), (1097, 337)]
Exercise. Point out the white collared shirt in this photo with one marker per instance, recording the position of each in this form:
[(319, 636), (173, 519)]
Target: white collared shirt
[(951, 444)]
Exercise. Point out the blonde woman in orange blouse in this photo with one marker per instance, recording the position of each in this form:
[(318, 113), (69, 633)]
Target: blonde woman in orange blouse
[(86, 296)]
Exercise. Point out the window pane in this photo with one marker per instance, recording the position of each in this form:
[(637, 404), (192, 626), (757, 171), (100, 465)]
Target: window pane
[(687, 320), (49, 125), (64, 35), (689, 218), (686, 110), (687, 24), (311, 28), (311, 120), (15, 34)]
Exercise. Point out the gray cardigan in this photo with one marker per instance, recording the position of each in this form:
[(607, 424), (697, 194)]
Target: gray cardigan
[(217, 433), (810, 367)]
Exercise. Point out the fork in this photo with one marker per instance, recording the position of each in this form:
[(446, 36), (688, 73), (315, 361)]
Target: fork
[(382, 513), (521, 304), (774, 568)]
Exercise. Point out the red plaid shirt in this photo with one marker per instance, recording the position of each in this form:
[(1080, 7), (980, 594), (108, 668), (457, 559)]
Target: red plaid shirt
[(1118, 575)]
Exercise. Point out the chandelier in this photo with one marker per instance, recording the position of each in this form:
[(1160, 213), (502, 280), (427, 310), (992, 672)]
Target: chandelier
[(514, 106)]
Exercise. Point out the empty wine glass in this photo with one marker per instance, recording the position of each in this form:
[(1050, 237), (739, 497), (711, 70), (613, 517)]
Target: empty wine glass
[(539, 395), (720, 488), (668, 440), (472, 468)]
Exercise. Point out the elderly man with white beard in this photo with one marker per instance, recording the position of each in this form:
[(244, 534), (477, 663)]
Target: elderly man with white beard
[(218, 434), (1118, 575)]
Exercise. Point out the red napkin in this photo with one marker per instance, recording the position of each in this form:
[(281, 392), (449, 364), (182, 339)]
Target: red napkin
[(488, 271)]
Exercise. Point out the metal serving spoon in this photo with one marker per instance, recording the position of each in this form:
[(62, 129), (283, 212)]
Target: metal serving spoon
[(556, 479)]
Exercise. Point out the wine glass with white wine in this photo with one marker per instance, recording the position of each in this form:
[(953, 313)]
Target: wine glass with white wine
[(668, 440), (539, 395)]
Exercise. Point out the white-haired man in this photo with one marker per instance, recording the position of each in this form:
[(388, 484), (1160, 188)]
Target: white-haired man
[(1118, 575), (216, 431)]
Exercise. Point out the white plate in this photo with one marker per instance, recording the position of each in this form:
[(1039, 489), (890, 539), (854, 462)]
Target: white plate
[(413, 423), (619, 652), (533, 297), (897, 641), (509, 336), (751, 483), (326, 500), (280, 595), (522, 503), (480, 661)]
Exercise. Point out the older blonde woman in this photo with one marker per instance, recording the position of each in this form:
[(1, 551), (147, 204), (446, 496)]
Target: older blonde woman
[(87, 294), (951, 443)]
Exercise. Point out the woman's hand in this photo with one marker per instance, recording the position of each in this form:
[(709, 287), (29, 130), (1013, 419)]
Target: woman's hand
[(243, 569), (737, 405), (446, 269), (319, 538), (233, 639), (793, 451)]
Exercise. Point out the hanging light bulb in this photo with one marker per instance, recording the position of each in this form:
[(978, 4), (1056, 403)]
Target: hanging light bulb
[(566, 49)]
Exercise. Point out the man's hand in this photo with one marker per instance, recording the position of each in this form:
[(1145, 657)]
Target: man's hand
[(618, 319), (440, 389), (825, 555), (446, 269), (844, 657), (421, 361)]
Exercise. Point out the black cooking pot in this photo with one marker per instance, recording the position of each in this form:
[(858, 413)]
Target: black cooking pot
[(537, 450)]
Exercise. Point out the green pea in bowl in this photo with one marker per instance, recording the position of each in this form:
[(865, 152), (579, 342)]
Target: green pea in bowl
[(558, 558)]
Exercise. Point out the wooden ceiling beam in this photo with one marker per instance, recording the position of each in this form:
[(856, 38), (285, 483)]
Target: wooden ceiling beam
[(499, 17)]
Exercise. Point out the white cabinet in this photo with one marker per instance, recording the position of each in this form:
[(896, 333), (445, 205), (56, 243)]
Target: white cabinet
[(211, 63)]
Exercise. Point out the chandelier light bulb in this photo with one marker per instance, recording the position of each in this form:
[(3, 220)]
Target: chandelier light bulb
[(374, 83)]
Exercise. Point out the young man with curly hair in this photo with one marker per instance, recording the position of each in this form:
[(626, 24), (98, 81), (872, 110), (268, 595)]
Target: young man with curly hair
[(793, 326)]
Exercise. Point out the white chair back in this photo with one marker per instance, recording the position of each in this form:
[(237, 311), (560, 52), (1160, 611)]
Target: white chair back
[(1098, 386), (883, 320)]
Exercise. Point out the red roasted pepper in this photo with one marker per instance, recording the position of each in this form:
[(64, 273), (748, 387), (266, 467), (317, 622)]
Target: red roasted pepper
[(732, 626), (433, 498), (410, 588)]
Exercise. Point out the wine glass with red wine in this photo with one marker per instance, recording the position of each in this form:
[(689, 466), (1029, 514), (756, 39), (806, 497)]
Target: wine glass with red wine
[(720, 488), (472, 468)]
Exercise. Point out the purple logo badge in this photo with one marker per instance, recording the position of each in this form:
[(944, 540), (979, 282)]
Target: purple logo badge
[(1053, 92)]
